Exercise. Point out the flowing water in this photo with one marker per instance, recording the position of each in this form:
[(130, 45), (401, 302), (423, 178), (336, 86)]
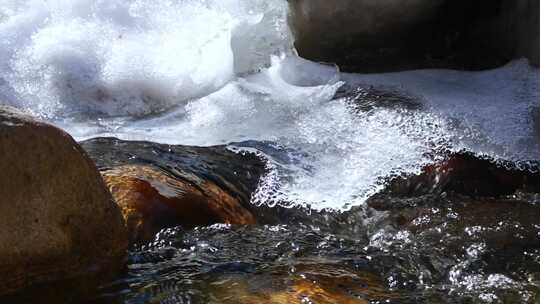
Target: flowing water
[(224, 72)]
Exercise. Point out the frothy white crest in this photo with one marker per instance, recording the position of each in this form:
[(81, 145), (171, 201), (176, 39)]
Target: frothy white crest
[(121, 57), (494, 112), (206, 69), (325, 154)]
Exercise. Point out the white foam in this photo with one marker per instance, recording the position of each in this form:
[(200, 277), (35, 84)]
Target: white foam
[(492, 111), (326, 155), (206, 71), (121, 57)]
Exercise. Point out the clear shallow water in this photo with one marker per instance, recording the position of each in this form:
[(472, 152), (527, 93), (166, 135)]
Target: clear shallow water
[(216, 72)]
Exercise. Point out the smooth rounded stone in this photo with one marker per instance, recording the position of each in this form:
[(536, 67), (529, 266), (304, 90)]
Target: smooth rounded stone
[(226, 173), (372, 17), (58, 222), (518, 29), (331, 31), (151, 200), (391, 35)]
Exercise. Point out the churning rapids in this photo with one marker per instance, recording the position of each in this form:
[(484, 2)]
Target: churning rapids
[(225, 72), (214, 72)]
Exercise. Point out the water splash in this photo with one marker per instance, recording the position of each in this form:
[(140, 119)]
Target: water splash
[(495, 112), (130, 57), (223, 72)]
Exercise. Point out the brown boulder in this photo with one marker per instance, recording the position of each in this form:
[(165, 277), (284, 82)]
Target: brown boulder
[(466, 174), (58, 222), (152, 199)]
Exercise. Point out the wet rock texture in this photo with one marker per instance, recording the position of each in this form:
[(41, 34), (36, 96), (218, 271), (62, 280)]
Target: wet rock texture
[(390, 35), (471, 225), (151, 199), (58, 222), (463, 230), (469, 175), (162, 186)]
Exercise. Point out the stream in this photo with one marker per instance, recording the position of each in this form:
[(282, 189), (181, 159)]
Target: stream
[(215, 87)]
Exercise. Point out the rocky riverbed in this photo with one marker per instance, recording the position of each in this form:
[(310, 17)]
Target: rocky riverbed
[(216, 151), (463, 231)]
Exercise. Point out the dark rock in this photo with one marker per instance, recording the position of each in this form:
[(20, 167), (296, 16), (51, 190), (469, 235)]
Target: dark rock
[(318, 283), (161, 186), (58, 222), (152, 200), (517, 30), (376, 36), (465, 174), (465, 217), (352, 32)]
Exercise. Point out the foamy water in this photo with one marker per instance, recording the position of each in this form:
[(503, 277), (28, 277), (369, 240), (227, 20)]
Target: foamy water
[(224, 71), (496, 112), (120, 57)]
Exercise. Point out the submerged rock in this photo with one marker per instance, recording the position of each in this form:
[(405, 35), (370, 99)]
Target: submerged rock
[(469, 247), (58, 222), (470, 226), (314, 283), (152, 199), (462, 230), (162, 186)]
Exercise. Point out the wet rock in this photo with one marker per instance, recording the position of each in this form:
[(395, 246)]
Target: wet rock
[(472, 189), (58, 222), (234, 175), (464, 244), (352, 32), (465, 223), (160, 186), (152, 199), (518, 30), (366, 98), (465, 174), (301, 291), (312, 283), (377, 36)]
